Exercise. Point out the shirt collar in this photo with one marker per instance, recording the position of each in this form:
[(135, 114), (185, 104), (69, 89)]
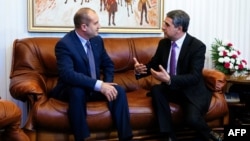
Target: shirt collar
[(83, 41), (180, 41)]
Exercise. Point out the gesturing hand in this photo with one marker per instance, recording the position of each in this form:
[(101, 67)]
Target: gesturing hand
[(109, 91), (161, 75), (139, 68)]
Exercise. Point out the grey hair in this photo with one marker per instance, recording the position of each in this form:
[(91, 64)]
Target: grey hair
[(180, 18)]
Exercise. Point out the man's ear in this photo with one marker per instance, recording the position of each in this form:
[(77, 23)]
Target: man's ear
[(179, 28), (83, 27)]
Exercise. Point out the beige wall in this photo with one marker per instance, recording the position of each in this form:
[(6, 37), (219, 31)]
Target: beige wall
[(223, 19)]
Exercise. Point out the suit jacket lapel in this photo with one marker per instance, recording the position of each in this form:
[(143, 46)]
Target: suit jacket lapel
[(166, 49), (79, 48), (185, 48)]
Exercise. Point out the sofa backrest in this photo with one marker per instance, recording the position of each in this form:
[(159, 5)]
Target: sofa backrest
[(36, 55)]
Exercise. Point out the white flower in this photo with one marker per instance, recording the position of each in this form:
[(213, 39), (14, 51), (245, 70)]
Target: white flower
[(229, 53), (226, 59), (221, 48), (238, 61), (236, 67), (234, 52), (221, 53), (231, 66), (221, 60), (232, 60)]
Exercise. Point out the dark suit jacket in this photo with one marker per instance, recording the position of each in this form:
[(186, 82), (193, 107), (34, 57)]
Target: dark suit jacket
[(73, 64), (189, 80)]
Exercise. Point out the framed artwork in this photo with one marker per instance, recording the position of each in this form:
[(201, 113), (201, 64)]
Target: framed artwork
[(115, 16)]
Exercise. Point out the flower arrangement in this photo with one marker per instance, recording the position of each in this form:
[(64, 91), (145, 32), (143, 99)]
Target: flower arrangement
[(226, 58)]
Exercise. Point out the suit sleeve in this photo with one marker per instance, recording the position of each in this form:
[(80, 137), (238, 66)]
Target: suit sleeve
[(160, 57)]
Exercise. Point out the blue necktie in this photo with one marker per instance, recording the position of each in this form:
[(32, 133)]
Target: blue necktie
[(91, 60), (173, 59)]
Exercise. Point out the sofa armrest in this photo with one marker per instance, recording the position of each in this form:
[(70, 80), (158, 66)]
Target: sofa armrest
[(25, 86), (10, 121), (215, 80)]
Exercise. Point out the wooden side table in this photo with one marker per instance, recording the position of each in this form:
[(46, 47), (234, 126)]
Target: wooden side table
[(244, 80), (239, 111)]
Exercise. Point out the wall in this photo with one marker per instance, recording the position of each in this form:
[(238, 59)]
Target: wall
[(210, 19)]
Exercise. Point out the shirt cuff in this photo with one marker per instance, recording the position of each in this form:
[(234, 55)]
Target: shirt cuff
[(98, 85)]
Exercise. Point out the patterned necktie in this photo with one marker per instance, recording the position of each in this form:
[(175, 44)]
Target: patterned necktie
[(91, 60), (173, 59)]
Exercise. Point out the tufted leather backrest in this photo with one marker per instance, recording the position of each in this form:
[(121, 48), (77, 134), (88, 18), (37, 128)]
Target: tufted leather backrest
[(122, 51), (36, 57)]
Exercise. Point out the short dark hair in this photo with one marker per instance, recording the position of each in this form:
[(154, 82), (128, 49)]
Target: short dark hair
[(180, 18), (81, 16)]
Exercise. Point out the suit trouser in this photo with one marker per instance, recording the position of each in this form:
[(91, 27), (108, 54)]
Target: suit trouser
[(118, 109), (161, 97)]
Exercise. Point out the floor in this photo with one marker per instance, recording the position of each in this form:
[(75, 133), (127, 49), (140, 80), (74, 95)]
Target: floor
[(185, 136)]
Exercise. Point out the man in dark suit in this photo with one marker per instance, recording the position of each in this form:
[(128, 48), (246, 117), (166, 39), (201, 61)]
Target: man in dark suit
[(78, 83), (185, 85)]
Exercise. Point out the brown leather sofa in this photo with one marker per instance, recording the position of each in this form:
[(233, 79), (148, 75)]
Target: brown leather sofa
[(34, 74), (10, 120)]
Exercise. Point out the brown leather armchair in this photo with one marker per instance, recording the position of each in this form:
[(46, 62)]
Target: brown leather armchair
[(10, 119), (34, 74)]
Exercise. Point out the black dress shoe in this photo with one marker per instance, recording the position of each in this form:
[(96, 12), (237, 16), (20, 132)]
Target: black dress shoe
[(130, 138), (216, 136), (169, 137)]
